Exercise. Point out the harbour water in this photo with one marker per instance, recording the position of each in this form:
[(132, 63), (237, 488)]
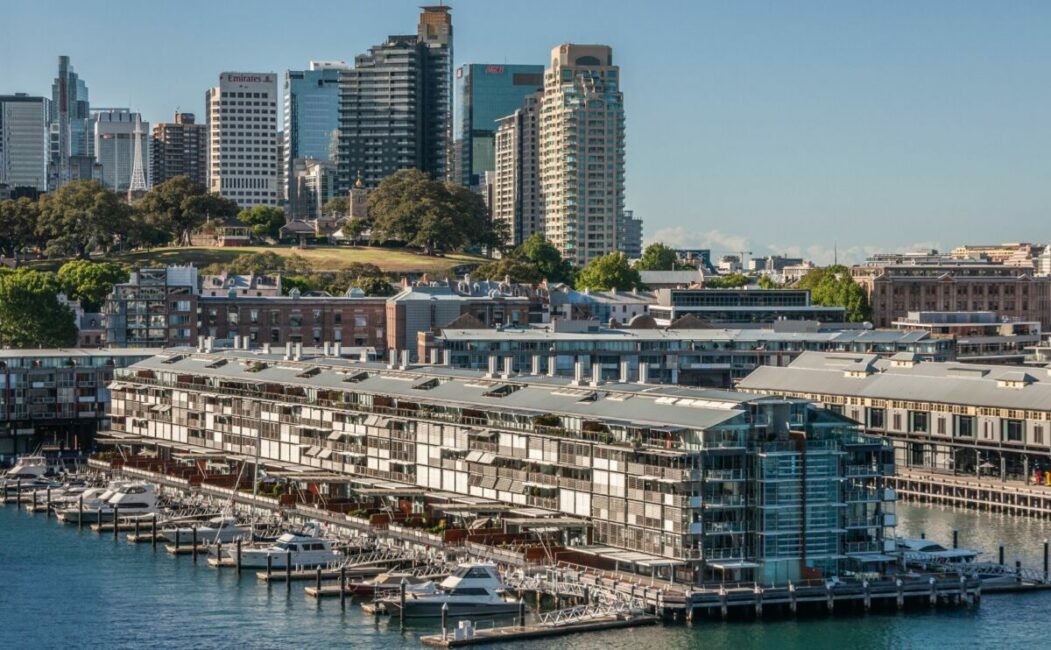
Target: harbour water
[(64, 588)]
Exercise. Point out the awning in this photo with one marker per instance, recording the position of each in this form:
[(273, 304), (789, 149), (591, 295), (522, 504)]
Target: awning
[(313, 451), (503, 484), (325, 454), (473, 456), (488, 482), (335, 435)]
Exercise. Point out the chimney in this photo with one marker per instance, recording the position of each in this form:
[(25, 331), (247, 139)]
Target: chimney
[(288, 350), (578, 372), (644, 372), (596, 373), (435, 355), (364, 356), (508, 365), (447, 357), (246, 342), (538, 363), (328, 349), (404, 359), (237, 342), (299, 352), (209, 344), (552, 365), (337, 349), (625, 371), (393, 359), (266, 348), (494, 363)]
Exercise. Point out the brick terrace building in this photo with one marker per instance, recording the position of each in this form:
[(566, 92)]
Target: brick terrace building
[(896, 289)]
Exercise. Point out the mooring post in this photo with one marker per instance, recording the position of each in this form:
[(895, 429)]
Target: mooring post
[(401, 601), (219, 549), (955, 538), (178, 539), (34, 500), (758, 601), (1001, 554), (288, 570), (1018, 571), (116, 520), (193, 549), (343, 586), (153, 532), (521, 611), (901, 593), (136, 531), (48, 515), (237, 559), (318, 583), (269, 567), (18, 494), (934, 591), (445, 618), (80, 513), (868, 595), (792, 597), (98, 518)]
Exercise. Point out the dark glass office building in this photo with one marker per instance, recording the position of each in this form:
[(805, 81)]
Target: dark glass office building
[(485, 92)]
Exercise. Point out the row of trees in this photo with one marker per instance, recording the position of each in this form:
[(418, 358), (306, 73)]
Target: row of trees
[(297, 273)]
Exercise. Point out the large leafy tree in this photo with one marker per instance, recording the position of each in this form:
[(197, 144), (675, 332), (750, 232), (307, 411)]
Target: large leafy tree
[(18, 223), (265, 221), (611, 271), (517, 269), (90, 282), (409, 207), (178, 206), (658, 257), (833, 286), (547, 259), (337, 205), (30, 312), (82, 217), (732, 281)]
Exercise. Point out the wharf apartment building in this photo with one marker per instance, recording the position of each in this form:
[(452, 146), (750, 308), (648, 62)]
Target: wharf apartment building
[(243, 139), (714, 358), (56, 397), (718, 485), (180, 148), (1010, 291), (985, 420)]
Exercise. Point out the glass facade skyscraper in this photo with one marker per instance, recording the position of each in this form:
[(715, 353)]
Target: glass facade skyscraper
[(69, 128), (484, 94), (311, 113)]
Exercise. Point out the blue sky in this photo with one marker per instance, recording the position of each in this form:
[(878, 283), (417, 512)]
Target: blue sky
[(767, 126)]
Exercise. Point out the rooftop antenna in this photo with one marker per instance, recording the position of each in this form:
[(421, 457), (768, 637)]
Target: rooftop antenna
[(138, 174)]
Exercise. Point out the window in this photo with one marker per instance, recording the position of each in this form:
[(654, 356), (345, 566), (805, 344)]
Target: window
[(941, 426), (1038, 434), (897, 421), (918, 422), (965, 426), (876, 418), (360, 320), (1011, 430)]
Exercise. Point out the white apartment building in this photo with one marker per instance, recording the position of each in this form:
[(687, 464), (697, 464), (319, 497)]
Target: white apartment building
[(243, 139), (24, 137), (582, 152), (516, 199)]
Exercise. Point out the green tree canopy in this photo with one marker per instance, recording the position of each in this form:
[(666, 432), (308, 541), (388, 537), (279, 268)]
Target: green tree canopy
[(766, 282), (82, 217), (833, 286), (90, 282), (18, 223), (658, 257), (409, 207), (547, 259), (518, 269), (732, 281), (178, 206), (611, 271), (30, 312), (338, 205), (265, 220)]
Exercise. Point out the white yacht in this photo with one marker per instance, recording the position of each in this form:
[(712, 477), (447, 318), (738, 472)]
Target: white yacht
[(29, 473), (223, 528), (472, 590), (307, 550), (129, 498)]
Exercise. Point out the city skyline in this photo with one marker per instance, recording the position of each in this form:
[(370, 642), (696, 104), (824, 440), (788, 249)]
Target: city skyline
[(798, 129)]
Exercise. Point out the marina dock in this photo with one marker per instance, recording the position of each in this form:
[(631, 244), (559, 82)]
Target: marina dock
[(986, 494), (513, 633)]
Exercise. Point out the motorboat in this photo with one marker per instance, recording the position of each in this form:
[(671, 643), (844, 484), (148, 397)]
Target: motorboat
[(473, 590), (223, 528), (126, 499), (305, 549), (29, 473), (388, 582)]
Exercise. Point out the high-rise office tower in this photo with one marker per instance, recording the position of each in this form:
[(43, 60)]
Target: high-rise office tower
[(24, 141), (582, 152), (516, 200), (180, 148), (311, 114), (629, 235), (113, 134), (485, 93), (242, 138), (395, 108), (70, 157)]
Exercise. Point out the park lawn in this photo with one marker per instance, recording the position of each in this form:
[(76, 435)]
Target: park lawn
[(320, 258)]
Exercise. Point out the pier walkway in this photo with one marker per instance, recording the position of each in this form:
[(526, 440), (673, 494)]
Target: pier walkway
[(984, 493)]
